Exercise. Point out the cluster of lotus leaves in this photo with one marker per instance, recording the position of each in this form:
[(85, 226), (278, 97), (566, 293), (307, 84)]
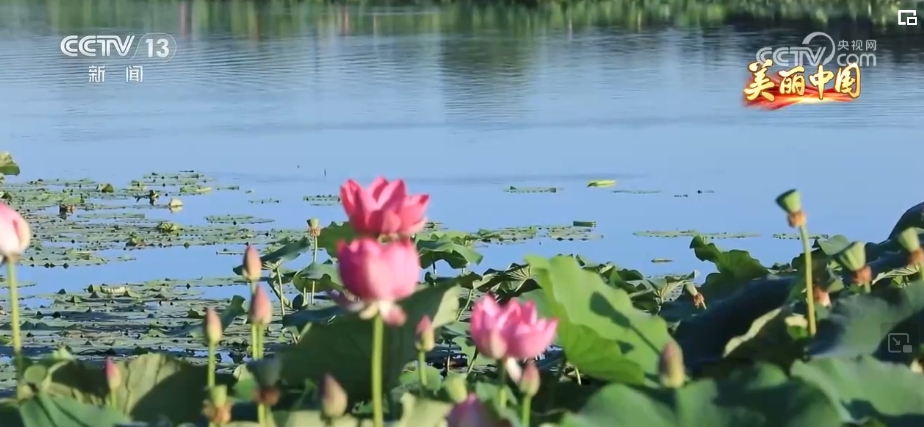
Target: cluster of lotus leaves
[(748, 356)]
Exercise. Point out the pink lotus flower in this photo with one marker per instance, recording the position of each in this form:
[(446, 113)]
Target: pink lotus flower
[(471, 413), (384, 208), (379, 275), (15, 233), (512, 331)]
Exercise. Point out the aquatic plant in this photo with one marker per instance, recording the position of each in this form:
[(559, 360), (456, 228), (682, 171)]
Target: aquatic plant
[(380, 347)]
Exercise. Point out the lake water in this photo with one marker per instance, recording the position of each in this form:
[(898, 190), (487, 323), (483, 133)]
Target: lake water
[(291, 99)]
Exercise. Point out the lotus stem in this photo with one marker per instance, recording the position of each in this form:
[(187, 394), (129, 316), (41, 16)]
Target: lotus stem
[(253, 328), (526, 410), (314, 259), (471, 363), (502, 384), (261, 415), (577, 374), (258, 354), (468, 302), (421, 364), (279, 292), (809, 291), (211, 365), (378, 338), (14, 314)]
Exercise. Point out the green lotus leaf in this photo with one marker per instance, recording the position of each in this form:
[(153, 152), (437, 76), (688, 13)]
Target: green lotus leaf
[(602, 333), (343, 347), (868, 388), (756, 396)]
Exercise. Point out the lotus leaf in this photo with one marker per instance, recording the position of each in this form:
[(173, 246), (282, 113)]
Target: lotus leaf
[(602, 334), (7, 165), (868, 388), (46, 410), (342, 348), (734, 267), (440, 247), (757, 396), (860, 324)]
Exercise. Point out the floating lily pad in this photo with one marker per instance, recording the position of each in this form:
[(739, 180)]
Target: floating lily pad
[(513, 189), (691, 233)]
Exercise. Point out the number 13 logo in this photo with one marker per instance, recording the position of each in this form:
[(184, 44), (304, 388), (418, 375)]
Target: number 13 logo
[(162, 48)]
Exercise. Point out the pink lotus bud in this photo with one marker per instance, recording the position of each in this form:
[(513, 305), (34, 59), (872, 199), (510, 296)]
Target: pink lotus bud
[(470, 413), (374, 271), (261, 311), (252, 264), (112, 374), (333, 398), (671, 369), (212, 326), (529, 384), (15, 233), (384, 208), (425, 339)]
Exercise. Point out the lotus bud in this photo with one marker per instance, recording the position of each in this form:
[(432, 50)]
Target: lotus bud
[(529, 383), (671, 367), (252, 265), (791, 203), (853, 258), (425, 338), (212, 327), (261, 311), (455, 387), (314, 227), (333, 398), (113, 376)]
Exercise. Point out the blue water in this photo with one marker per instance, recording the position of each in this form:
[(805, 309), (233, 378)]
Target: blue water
[(461, 114)]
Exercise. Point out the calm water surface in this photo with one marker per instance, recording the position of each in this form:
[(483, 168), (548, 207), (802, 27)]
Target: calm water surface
[(462, 103)]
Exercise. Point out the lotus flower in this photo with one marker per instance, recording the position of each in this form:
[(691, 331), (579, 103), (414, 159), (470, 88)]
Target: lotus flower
[(512, 331), (15, 233), (384, 208), (378, 275)]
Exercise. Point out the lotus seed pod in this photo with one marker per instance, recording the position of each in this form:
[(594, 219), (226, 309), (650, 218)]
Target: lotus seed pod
[(218, 395), (529, 383), (333, 398), (455, 387), (425, 339), (853, 257), (252, 264), (212, 327), (314, 223), (261, 311), (113, 376), (790, 201), (671, 367), (909, 241)]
